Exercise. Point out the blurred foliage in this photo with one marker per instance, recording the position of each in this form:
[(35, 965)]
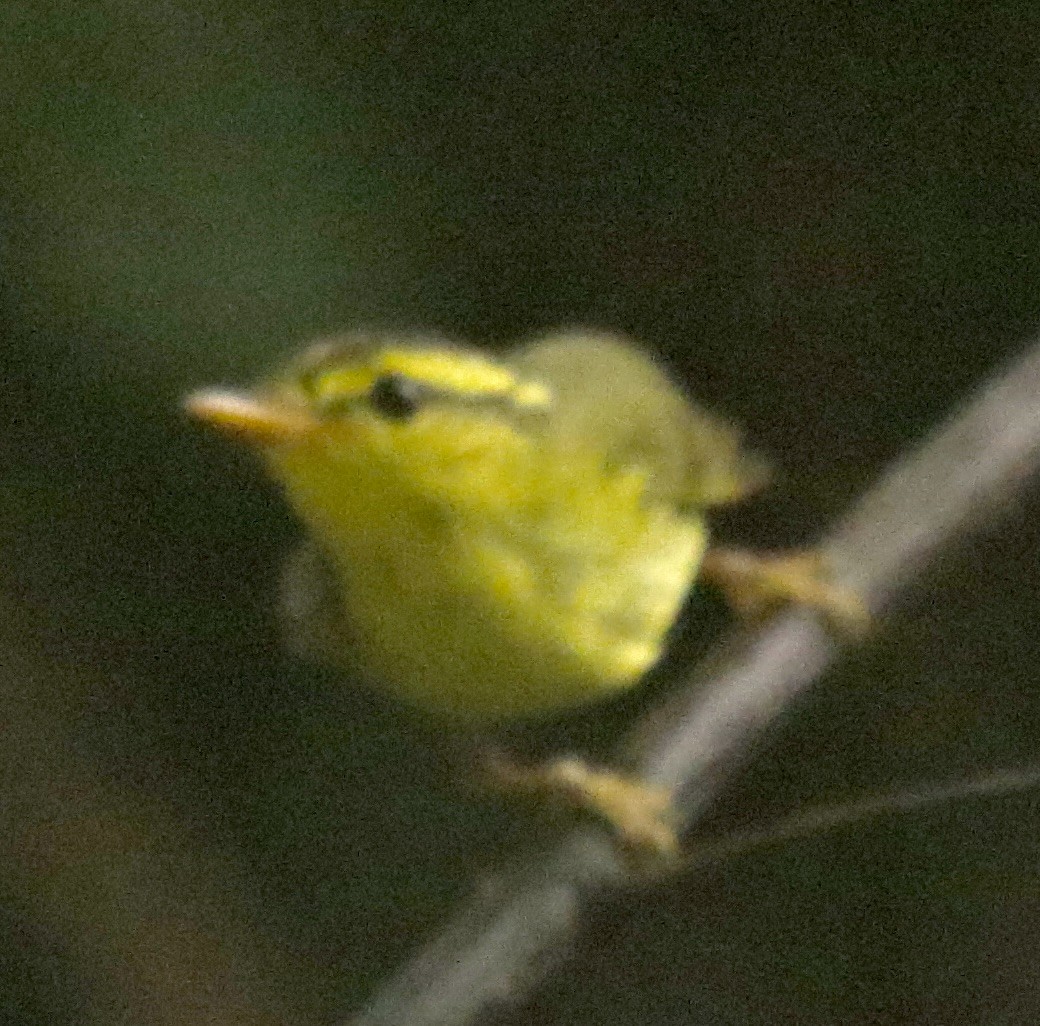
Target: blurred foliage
[(824, 217)]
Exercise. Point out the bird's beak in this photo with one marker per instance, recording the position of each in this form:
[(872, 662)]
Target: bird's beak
[(248, 419)]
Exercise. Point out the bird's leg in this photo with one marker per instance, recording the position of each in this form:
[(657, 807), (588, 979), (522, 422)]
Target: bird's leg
[(755, 584), (641, 815)]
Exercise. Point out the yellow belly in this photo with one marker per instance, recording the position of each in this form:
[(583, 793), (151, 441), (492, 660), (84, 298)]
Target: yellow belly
[(472, 613), (477, 632)]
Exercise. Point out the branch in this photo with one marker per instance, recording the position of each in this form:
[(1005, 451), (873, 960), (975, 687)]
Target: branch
[(502, 943)]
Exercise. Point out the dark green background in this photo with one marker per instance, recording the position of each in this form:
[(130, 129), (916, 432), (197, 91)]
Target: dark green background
[(825, 217)]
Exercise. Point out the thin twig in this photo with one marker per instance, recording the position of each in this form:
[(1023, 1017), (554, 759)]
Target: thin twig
[(820, 819), (501, 944)]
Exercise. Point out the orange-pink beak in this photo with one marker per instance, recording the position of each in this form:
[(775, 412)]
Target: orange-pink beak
[(248, 419)]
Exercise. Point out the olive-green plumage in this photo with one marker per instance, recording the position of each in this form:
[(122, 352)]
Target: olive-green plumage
[(504, 537)]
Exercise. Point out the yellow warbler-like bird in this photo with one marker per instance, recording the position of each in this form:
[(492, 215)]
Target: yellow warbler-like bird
[(504, 537)]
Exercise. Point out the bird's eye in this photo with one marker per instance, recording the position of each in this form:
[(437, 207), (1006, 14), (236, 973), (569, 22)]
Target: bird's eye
[(395, 396)]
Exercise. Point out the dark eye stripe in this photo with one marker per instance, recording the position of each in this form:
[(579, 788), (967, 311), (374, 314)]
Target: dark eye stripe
[(308, 381), (397, 397)]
